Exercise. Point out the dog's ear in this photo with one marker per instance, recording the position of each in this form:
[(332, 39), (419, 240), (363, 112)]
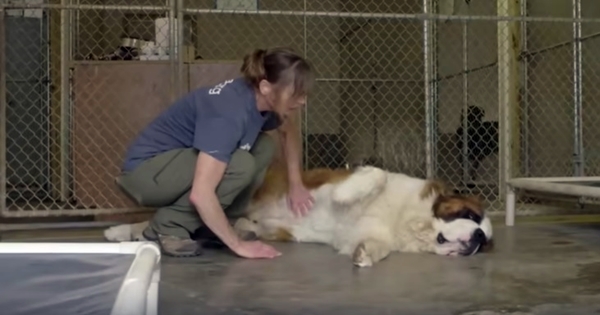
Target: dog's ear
[(435, 188), (476, 201)]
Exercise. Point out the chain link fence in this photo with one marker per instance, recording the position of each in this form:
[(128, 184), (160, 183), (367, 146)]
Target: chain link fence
[(425, 94)]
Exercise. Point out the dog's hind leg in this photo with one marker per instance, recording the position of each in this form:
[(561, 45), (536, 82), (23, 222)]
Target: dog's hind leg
[(369, 252), (126, 232), (367, 182)]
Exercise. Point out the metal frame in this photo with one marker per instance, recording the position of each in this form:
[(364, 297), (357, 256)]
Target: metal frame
[(429, 50), (3, 182), (570, 186), (177, 11), (66, 53), (65, 102), (138, 293), (525, 85), (578, 157), (466, 167)]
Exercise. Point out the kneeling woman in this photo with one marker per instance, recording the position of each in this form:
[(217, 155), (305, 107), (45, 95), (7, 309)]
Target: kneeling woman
[(201, 160)]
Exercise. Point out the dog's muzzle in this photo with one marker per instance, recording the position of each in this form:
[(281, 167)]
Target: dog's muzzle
[(477, 241)]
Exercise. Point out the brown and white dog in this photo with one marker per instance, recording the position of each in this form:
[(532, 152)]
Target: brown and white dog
[(366, 213)]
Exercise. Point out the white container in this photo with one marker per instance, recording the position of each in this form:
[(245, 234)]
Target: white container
[(162, 32)]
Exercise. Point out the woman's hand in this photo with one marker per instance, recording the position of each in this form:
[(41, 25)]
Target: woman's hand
[(255, 249), (300, 200)]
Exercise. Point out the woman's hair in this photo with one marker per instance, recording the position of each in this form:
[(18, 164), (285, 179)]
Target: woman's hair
[(278, 66)]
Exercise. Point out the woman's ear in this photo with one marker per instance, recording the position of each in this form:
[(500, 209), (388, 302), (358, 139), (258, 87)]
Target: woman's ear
[(265, 87)]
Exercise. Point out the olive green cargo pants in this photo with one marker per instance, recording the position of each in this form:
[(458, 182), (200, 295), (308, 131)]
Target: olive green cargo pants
[(165, 182)]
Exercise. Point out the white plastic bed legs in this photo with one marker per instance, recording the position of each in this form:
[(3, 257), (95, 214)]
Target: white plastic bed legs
[(510, 206)]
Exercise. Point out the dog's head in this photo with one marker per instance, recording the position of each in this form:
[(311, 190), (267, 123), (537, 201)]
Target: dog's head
[(461, 226)]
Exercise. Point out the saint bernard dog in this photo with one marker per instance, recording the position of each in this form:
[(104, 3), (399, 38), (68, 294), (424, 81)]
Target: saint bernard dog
[(366, 213)]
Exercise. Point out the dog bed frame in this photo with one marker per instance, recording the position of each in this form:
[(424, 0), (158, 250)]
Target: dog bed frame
[(79, 278)]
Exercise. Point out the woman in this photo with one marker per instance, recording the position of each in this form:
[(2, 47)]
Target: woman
[(208, 152)]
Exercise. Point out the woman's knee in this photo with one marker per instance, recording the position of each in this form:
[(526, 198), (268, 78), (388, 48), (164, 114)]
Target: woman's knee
[(242, 166)]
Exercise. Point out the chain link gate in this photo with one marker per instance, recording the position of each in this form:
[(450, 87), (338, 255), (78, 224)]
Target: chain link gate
[(397, 88)]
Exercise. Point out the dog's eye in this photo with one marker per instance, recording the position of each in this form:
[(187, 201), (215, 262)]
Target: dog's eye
[(470, 215), (441, 239)]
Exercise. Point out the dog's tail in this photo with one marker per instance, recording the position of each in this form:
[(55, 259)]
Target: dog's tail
[(365, 183)]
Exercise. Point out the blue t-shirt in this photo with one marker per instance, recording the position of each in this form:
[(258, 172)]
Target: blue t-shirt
[(216, 120)]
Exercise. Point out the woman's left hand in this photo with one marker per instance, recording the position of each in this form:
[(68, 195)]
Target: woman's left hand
[(300, 200)]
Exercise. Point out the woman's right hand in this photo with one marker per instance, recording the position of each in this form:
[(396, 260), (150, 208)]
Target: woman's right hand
[(255, 249)]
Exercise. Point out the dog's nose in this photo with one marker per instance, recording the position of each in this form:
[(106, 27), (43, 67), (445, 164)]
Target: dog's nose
[(478, 236)]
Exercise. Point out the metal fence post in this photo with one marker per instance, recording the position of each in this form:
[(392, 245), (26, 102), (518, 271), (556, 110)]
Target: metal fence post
[(65, 99), (180, 44), (465, 121), (525, 90), (508, 38), (172, 48), (578, 157), (430, 117), (3, 182)]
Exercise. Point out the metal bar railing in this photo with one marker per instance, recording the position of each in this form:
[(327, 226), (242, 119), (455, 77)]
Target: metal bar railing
[(65, 103), (430, 119), (3, 180), (578, 158)]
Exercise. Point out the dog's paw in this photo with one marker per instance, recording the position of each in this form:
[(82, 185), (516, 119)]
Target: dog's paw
[(344, 196), (361, 258), (118, 233), (364, 183), (137, 230), (246, 229)]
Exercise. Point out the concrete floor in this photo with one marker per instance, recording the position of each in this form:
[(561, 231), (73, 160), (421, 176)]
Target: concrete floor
[(536, 268)]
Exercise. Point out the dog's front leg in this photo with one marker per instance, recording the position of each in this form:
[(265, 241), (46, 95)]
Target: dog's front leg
[(369, 252), (246, 229)]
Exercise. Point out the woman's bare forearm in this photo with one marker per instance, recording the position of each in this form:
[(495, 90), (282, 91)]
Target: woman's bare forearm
[(208, 175), (209, 208)]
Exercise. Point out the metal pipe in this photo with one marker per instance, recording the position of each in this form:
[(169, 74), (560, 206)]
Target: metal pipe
[(582, 39), (395, 16), (304, 122), (365, 15), (465, 120), (555, 188), (180, 46), (511, 200), (578, 158), (430, 144), (47, 103), (468, 71), (3, 182), (525, 85), (524, 54), (57, 225), (506, 95), (366, 80), (174, 91), (571, 179), (435, 84), (65, 102), (44, 213), (76, 31), (82, 7)]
